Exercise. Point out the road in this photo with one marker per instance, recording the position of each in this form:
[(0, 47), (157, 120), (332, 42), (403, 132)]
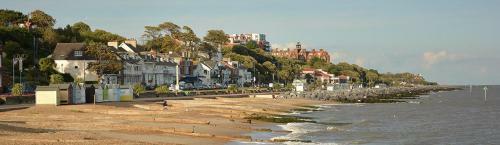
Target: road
[(203, 96)]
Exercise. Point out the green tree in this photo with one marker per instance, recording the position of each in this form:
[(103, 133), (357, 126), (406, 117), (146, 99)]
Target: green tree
[(56, 79), (46, 64), (216, 38), (170, 29), (81, 27), (107, 60), (371, 77), (252, 44), (269, 66), (41, 19), (10, 17)]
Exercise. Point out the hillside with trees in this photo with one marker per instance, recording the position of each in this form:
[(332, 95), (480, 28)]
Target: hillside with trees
[(33, 35)]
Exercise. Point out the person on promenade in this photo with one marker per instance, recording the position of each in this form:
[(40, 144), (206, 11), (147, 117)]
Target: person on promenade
[(165, 104)]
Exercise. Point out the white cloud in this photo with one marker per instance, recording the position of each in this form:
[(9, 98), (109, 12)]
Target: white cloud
[(431, 58)]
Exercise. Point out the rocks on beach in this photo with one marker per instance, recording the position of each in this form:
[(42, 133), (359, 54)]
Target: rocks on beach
[(363, 94)]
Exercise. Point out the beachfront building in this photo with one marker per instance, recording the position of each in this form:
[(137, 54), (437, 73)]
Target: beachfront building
[(300, 53), (319, 75), (207, 72), (70, 58), (242, 39), (138, 66)]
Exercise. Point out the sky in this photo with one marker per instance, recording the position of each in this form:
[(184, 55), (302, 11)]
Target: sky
[(447, 41)]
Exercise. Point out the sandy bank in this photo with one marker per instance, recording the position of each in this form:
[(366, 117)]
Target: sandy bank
[(207, 121)]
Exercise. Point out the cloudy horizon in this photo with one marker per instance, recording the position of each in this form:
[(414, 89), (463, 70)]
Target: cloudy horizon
[(448, 41)]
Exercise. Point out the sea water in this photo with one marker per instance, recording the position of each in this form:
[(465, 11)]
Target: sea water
[(453, 117)]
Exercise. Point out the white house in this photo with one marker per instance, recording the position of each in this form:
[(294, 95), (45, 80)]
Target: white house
[(71, 58), (207, 72)]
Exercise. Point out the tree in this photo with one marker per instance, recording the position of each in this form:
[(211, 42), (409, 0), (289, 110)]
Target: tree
[(216, 38), (152, 32), (371, 77), (10, 17), (81, 27), (309, 78), (56, 79), (170, 29), (108, 61), (252, 44), (189, 37), (207, 48), (318, 63), (50, 36), (269, 66), (46, 65), (41, 19)]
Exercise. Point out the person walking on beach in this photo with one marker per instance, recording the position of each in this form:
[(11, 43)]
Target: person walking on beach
[(165, 104)]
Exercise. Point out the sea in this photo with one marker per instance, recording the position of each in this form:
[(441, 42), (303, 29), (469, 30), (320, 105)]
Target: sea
[(461, 117)]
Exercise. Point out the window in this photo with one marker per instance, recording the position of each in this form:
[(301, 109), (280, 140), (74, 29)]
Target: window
[(78, 53)]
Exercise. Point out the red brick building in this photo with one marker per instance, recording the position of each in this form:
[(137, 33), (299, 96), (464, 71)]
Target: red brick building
[(300, 53)]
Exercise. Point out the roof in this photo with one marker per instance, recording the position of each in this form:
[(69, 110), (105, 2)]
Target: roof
[(66, 51), (135, 49), (211, 64), (60, 86), (167, 63)]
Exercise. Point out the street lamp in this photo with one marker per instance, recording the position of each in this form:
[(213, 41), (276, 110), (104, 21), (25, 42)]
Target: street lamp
[(29, 25), (18, 59)]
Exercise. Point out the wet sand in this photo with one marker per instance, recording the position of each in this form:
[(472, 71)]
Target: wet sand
[(207, 121)]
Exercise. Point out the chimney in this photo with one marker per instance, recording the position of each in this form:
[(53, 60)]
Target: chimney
[(113, 44), (131, 42)]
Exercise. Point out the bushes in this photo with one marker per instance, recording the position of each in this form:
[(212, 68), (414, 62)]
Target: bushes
[(163, 89), (17, 89), (56, 79), (232, 88), (138, 88), (78, 80)]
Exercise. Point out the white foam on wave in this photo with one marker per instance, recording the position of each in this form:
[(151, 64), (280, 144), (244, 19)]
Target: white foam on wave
[(302, 143), (298, 129)]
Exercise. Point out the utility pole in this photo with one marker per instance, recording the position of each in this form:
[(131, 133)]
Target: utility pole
[(14, 61), (176, 78)]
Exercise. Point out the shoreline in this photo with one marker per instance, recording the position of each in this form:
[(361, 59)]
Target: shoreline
[(216, 120), (212, 121)]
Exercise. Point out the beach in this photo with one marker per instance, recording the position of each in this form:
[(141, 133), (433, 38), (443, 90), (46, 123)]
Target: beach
[(207, 121)]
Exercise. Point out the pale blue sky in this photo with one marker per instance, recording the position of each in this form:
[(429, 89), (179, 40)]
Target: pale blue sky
[(449, 41)]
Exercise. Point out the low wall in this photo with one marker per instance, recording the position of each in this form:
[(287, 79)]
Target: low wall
[(11, 100)]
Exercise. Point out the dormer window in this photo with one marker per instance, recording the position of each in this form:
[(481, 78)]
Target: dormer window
[(78, 53)]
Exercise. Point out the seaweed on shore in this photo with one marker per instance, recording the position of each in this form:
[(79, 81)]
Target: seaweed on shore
[(278, 118)]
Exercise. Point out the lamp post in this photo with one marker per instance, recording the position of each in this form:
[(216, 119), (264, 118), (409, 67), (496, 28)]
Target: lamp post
[(18, 59), (29, 25)]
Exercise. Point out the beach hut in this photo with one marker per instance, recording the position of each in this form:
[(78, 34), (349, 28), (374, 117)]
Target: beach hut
[(78, 93), (65, 93), (47, 95), (299, 85)]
